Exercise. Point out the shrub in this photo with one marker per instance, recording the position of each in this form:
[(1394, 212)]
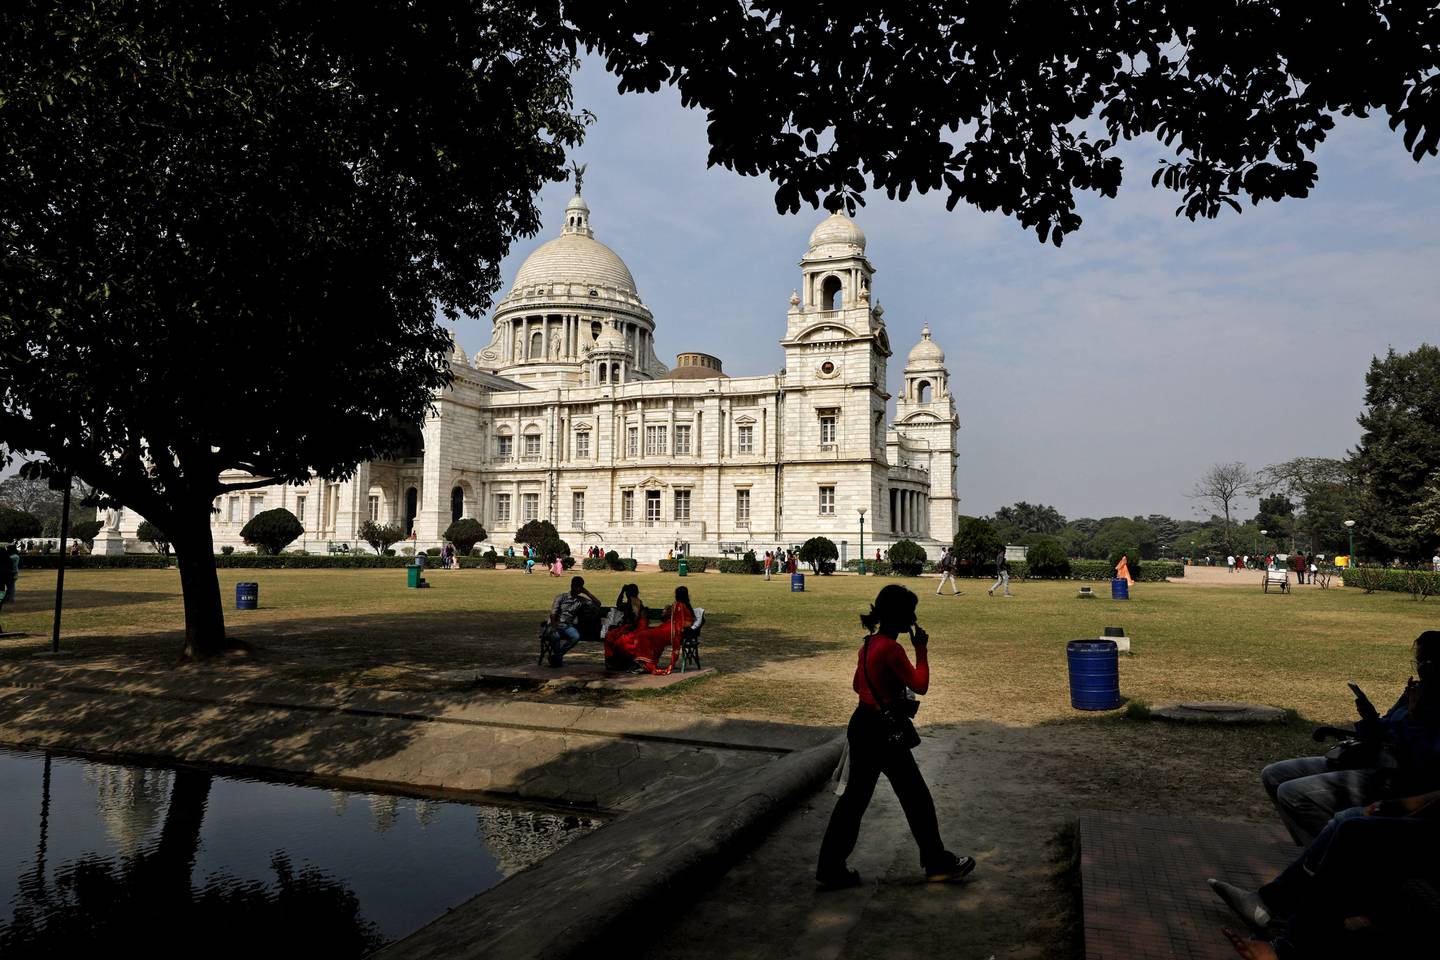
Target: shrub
[(612, 561), (1420, 584), (432, 551), (692, 565), (380, 536), (1046, 558), (818, 549), (593, 563), (906, 557), (976, 541), (272, 530), (154, 536), (745, 564), (151, 561), (465, 533), (389, 553), (227, 550)]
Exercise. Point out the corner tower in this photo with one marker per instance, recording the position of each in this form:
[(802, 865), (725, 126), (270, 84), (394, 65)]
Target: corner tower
[(925, 417)]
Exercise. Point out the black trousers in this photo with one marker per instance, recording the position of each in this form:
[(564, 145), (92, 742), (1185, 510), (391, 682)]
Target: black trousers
[(871, 755)]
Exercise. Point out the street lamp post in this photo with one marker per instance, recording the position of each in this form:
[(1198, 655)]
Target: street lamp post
[(1262, 534), (1350, 528), (861, 565)]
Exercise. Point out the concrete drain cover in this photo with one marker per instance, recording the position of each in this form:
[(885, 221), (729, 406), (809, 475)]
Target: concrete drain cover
[(1218, 711)]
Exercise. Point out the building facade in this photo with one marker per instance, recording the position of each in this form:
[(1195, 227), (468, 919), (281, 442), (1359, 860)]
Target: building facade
[(568, 415)]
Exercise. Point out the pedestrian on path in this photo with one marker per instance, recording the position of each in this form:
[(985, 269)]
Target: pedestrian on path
[(1230, 563), (947, 572), (769, 562), (883, 675)]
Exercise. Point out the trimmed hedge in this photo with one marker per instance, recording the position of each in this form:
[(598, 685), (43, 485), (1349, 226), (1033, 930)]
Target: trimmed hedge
[(51, 561), (1418, 583), (738, 566), (593, 563), (692, 564)]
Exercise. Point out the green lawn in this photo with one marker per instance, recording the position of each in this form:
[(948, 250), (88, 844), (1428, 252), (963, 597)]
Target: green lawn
[(779, 655)]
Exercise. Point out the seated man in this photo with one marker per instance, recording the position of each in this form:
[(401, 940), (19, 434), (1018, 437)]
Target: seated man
[(1354, 868), (565, 616)]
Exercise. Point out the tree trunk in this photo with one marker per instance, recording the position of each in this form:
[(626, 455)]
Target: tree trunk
[(195, 552)]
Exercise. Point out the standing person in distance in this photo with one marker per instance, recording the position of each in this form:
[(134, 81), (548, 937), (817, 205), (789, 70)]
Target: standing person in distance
[(882, 676), (1002, 576)]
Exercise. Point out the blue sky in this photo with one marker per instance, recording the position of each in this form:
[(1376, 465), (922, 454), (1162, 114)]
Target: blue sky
[(1103, 377)]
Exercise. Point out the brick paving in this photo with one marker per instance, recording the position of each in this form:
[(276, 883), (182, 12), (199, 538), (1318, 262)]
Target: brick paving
[(1143, 882)]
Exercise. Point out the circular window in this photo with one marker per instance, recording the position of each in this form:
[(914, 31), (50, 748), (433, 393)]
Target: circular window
[(827, 368)]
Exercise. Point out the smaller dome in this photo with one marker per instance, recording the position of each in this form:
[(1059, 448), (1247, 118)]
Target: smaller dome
[(610, 339), (927, 352), (837, 236)]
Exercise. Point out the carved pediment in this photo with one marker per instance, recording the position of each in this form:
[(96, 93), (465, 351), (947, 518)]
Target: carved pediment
[(651, 483), (745, 419)]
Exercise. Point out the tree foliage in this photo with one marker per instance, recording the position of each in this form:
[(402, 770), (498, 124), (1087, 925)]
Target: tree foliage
[(1019, 106), (1399, 450), (324, 180), (906, 557), (380, 535), (542, 535), (976, 541), (817, 549), (17, 525), (272, 530), (1046, 558), (1325, 491), (1024, 522), (85, 531), (154, 536), (465, 533)]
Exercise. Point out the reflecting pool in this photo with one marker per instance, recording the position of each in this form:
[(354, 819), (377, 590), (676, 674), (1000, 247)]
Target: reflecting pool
[(98, 858)]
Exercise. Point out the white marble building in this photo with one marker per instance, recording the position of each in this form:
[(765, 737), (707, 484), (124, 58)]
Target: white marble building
[(568, 415)]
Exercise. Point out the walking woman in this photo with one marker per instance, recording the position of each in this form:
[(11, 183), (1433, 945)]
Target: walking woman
[(882, 674)]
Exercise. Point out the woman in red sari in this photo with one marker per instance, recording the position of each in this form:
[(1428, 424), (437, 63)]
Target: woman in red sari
[(618, 639), (647, 645)]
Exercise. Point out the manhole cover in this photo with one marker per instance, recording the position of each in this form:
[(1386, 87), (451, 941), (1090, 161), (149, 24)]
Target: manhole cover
[(1218, 711)]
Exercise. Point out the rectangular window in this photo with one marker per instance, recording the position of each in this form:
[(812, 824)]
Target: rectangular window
[(745, 442), (627, 506), (632, 442), (300, 510), (256, 505), (529, 507), (655, 441), (827, 501), (582, 444), (532, 445), (652, 506), (504, 447), (502, 508), (827, 428), (375, 509), (230, 509), (682, 439), (577, 506), (742, 506), (682, 502)]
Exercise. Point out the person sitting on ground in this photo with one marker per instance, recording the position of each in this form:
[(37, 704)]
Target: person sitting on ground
[(647, 644), (882, 675), (632, 617), (1309, 791), (565, 615), (1353, 868)]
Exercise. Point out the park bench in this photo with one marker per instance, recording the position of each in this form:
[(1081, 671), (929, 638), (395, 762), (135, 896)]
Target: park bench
[(592, 630), (1279, 579), (340, 547)]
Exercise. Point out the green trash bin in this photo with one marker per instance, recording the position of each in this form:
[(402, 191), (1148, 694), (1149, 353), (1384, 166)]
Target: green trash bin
[(684, 568), (412, 576)]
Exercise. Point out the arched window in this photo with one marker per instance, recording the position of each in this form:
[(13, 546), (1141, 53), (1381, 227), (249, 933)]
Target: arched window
[(537, 346), (604, 373), (922, 391), (595, 329), (830, 293), (614, 373), (412, 507), (457, 503)]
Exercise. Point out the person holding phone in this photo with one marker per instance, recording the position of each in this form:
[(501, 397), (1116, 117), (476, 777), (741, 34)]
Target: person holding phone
[(1309, 791), (883, 675)]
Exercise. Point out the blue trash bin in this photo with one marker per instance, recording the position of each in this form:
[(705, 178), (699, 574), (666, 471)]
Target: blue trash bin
[(797, 583), (1094, 674), (247, 596), (1119, 589)]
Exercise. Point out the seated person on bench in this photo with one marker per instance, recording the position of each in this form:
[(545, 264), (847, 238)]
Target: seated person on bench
[(646, 644), (565, 615)]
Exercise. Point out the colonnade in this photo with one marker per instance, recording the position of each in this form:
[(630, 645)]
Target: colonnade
[(909, 512), (564, 337)]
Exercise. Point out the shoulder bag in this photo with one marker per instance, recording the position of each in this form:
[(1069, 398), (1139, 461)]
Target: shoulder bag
[(894, 718)]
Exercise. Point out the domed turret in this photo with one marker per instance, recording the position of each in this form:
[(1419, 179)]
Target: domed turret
[(836, 236), (927, 353)]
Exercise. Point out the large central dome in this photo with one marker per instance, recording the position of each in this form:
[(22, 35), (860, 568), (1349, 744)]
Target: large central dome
[(575, 257)]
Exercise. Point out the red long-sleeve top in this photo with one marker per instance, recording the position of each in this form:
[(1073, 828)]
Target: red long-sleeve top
[(890, 670)]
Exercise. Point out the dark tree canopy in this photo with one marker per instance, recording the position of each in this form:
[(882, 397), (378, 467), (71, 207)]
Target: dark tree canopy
[(17, 525), (465, 533), (1017, 106), (272, 530), (906, 557), (818, 549), (153, 535), (274, 197), (1046, 558), (976, 540), (380, 535), (1399, 451)]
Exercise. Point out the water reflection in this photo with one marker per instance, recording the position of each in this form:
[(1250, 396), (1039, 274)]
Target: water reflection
[(175, 862)]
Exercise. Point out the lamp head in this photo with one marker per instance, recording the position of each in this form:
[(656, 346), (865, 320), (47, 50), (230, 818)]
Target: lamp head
[(1349, 523)]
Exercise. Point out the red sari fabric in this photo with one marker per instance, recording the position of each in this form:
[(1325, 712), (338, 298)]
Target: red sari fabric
[(647, 644), (619, 640)]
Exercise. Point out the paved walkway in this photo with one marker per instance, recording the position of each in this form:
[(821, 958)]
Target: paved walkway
[(1143, 882)]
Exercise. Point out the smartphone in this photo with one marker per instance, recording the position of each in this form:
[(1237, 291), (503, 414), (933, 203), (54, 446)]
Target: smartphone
[(1363, 705)]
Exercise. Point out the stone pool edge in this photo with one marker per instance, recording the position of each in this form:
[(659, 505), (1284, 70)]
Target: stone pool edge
[(610, 885)]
